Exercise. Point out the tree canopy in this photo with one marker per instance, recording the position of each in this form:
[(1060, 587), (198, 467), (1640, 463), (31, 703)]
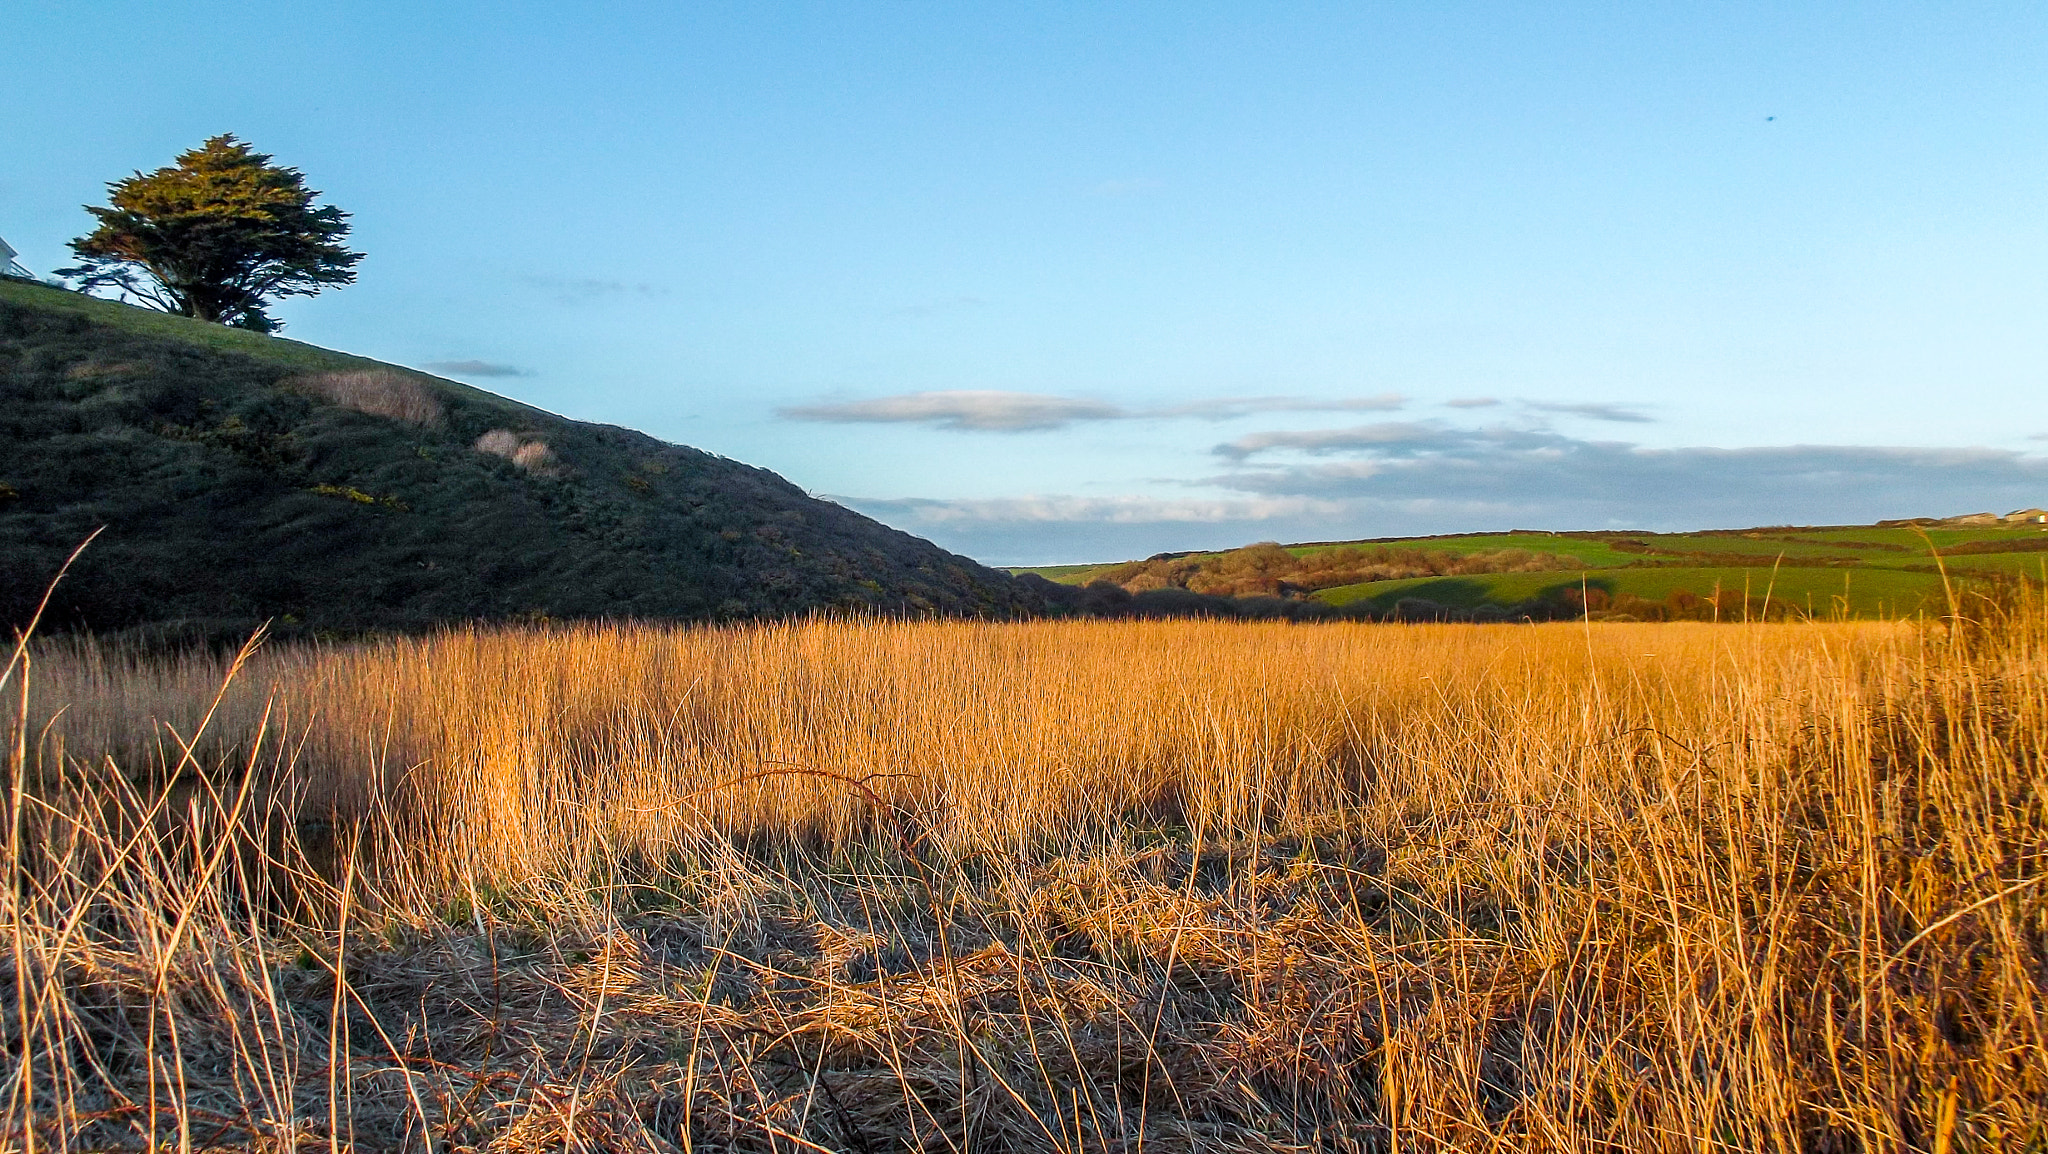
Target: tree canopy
[(218, 235)]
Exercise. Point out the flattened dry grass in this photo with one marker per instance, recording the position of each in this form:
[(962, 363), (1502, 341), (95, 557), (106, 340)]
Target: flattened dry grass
[(863, 886), (385, 393)]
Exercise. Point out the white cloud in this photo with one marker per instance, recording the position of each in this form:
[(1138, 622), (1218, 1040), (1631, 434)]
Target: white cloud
[(1051, 529), (1383, 436), (990, 410), (1598, 411), (977, 409), (1533, 476), (584, 290), (1472, 402), (1403, 479), (1225, 408)]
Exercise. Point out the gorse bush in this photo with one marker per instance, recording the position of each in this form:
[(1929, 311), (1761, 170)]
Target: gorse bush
[(1050, 886)]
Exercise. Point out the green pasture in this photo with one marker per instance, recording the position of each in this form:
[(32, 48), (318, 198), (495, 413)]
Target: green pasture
[(1917, 540), (1869, 546), (1821, 591), (1688, 546), (1865, 570), (2029, 564), (1064, 574), (1593, 551)]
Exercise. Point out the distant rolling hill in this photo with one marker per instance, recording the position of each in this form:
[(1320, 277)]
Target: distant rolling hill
[(1891, 570), (241, 478)]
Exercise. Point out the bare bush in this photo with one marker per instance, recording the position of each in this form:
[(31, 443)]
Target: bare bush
[(378, 392), (498, 443), (533, 456)]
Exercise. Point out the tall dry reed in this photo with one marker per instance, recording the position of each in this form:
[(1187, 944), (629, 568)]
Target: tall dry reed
[(857, 885)]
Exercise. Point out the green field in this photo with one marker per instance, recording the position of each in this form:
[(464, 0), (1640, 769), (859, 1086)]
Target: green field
[(1592, 551), (1852, 570), (1059, 573), (1820, 592), (2029, 564)]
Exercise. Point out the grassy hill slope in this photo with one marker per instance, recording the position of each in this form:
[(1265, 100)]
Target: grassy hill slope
[(242, 478)]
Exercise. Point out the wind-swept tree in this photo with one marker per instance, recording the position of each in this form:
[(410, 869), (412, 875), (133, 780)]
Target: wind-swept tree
[(217, 235)]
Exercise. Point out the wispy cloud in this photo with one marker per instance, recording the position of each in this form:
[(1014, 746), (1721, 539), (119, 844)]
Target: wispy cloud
[(1122, 510), (1408, 478), (1529, 476), (1472, 402), (990, 410), (1047, 529), (584, 290), (477, 369), (1384, 437), (1226, 408), (975, 409), (1598, 411)]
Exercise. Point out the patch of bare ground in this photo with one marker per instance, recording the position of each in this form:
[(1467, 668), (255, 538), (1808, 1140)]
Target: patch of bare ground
[(862, 886)]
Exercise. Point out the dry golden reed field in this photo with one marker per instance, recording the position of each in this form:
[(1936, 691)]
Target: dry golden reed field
[(1101, 886)]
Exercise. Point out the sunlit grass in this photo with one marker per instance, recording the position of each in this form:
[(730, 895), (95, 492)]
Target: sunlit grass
[(1064, 885)]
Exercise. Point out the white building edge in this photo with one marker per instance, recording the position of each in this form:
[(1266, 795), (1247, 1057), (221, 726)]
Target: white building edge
[(9, 266)]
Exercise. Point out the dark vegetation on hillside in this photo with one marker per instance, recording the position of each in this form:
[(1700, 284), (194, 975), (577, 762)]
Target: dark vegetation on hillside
[(241, 479)]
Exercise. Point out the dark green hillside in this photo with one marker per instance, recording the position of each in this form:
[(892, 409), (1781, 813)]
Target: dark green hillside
[(243, 478)]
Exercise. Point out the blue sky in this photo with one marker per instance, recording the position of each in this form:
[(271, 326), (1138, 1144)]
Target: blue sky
[(1066, 282)]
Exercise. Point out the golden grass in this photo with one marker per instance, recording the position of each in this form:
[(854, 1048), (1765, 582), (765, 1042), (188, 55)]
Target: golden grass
[(533, 456), (378, 392), (866, 886)]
